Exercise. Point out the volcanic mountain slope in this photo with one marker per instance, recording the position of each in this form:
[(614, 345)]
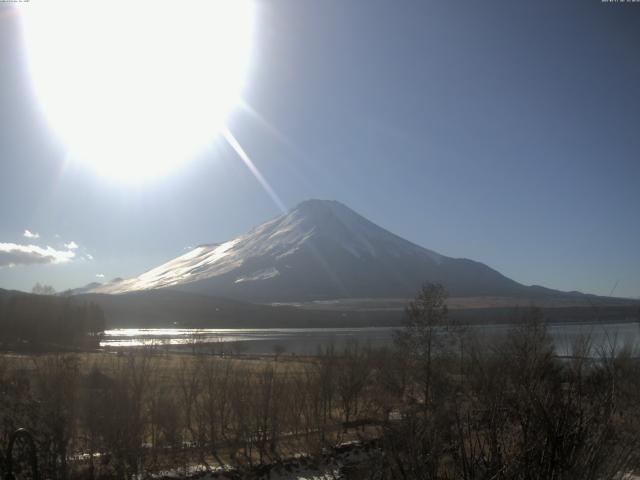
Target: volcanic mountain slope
[(321, 250)]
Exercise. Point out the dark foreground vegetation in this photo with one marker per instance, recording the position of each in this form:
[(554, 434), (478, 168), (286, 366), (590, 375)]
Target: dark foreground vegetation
[(40, 322), (441, 405)]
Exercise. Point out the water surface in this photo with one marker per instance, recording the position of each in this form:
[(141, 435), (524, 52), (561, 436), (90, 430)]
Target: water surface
[(308, 340)]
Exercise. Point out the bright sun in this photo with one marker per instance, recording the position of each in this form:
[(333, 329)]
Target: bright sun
[(135, 88)]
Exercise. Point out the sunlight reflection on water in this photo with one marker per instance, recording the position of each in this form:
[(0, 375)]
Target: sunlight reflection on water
[(132, 337), (307, 340)]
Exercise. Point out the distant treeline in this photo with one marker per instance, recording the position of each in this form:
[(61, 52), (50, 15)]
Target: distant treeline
[(37, 321), (162, 308)]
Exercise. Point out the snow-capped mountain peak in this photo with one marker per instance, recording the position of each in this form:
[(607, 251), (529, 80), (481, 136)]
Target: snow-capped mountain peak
[(319, 249)]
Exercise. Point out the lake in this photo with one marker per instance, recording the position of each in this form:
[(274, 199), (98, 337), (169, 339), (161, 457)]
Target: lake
[(304, 341)]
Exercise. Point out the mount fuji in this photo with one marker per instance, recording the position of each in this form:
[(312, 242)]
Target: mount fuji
[(320, 250)]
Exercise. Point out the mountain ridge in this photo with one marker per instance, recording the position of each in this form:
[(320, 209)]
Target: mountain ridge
[(321, 249)]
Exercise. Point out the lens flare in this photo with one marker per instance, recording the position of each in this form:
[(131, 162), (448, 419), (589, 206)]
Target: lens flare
[(136, 88)]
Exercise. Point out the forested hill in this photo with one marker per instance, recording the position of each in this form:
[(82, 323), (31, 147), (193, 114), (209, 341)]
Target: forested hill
[(30, 321)]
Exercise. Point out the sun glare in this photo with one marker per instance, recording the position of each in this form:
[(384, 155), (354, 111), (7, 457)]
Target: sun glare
[(135, 88)]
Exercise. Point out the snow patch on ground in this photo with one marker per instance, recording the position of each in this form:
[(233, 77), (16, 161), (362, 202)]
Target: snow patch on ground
[(301, 467)]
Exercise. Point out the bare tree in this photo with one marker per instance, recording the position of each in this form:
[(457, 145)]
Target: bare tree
[(352, 376), (421, 339)]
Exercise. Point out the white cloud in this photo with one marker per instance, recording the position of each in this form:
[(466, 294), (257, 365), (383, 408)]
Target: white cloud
[(12, 254), (88, 256), (30, 234), (99, 275), (71, 245)]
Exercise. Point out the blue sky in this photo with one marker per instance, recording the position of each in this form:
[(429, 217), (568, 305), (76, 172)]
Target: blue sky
[(506, 132)]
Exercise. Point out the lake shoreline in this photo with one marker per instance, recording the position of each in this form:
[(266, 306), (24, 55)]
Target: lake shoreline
[(309, 341)]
